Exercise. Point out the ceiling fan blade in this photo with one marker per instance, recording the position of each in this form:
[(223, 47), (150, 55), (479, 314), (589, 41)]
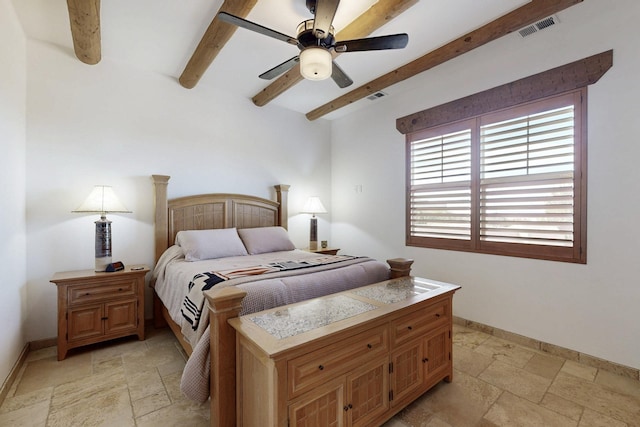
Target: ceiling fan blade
[(243, 23), (394, 41), (325, 11), (339, 76), (279, 69)]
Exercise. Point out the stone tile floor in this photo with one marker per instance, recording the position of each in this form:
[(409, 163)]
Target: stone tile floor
[(496, 383)]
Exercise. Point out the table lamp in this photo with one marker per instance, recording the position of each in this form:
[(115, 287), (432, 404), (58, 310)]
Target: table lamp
[(313, 206), (102, 200)]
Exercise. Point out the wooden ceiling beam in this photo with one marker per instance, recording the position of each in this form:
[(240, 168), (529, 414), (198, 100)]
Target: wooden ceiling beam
[(215, 37), (375, 17), (84, 17), (513, 21)]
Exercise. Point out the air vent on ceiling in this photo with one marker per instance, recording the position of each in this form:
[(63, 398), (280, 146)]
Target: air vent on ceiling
[(376, 95), (538, 26)]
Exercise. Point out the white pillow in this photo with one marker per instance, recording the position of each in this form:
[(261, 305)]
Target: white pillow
[(208, 244), (265, 239)]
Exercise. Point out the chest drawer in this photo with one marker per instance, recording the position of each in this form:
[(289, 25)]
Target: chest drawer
[(318, 367), (420, 322), (80, 294)]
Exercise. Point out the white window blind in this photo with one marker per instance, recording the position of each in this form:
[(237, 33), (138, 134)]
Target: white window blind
[(526, 179), (440, 201)]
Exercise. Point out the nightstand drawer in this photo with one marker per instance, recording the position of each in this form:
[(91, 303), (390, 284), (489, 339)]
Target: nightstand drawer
[(81, 294)]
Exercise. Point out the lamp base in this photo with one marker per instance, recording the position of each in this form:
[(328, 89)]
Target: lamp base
[(313, 245), (101, 263), (103, 243)]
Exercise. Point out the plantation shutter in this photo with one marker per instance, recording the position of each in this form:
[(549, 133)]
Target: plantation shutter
[(440, 185), (527, 179)]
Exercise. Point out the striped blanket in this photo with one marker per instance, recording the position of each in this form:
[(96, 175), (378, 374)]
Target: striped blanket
[(194, 302)]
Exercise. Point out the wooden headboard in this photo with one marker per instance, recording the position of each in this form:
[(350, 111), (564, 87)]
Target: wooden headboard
[(209, 211)]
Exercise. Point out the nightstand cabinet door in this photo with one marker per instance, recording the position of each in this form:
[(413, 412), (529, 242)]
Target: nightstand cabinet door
[(120, 316), (85, 323)]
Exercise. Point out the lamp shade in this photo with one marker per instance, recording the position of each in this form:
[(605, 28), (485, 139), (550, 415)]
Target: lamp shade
[(102, 200), (315, 63), (314, 206)]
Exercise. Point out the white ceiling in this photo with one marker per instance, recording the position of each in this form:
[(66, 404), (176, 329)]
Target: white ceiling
[(161, 35)]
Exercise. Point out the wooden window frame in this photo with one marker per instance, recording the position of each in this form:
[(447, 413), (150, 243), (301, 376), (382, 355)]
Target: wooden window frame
[(533, 91)]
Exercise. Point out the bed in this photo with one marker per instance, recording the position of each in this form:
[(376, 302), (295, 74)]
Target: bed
[(236, 278)]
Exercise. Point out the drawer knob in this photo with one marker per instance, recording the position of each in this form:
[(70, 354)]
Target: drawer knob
[(347, 407), (120, 290), (87, 294), (437, 314), (369, 346), (104, 318), (410, 328), (321, 367), (425, 360)]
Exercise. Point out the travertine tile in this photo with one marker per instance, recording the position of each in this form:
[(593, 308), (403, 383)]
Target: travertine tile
[(516, 380), (598, 398), (144, 383), (110, 407), (579, 370), (443, 401), (181, 414), (562, 406), (151, 403), (107, 365), (150, 358), (618, 383), (594, 419), (506, 351), (29, 416), (468, 337), (49, 372), (468, 361), (26, 400), (511, 410), (87, 388), (120, 347), (544, 365)]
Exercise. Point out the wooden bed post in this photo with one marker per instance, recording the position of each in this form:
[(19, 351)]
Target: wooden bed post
[(282, 197), (223, 305), (160, 183), (400, 267)]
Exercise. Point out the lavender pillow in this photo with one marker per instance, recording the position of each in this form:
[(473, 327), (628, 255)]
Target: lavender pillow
[(265, 239)]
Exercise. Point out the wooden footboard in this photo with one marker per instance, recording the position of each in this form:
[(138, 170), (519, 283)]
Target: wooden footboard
[(224, 305)]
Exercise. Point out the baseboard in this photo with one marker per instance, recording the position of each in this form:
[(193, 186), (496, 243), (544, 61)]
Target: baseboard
[(556, 350), (13, 374)]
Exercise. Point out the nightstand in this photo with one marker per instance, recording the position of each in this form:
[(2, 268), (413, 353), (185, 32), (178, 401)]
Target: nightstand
[(97, 306), (324, 251)]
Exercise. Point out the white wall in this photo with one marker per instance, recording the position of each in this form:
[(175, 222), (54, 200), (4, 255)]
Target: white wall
[(13, 294), (108, 124), (591, 308)]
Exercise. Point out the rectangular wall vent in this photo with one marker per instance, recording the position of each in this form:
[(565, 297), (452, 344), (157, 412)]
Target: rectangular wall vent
[(376, 95), (538, 26)]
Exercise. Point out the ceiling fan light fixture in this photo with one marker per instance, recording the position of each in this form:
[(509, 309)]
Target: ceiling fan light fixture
[(315, 63)]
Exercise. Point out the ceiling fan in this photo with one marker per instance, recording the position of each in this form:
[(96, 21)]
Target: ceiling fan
[(315, 40)]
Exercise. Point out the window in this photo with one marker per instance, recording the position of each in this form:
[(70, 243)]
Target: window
[(511, 182)]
